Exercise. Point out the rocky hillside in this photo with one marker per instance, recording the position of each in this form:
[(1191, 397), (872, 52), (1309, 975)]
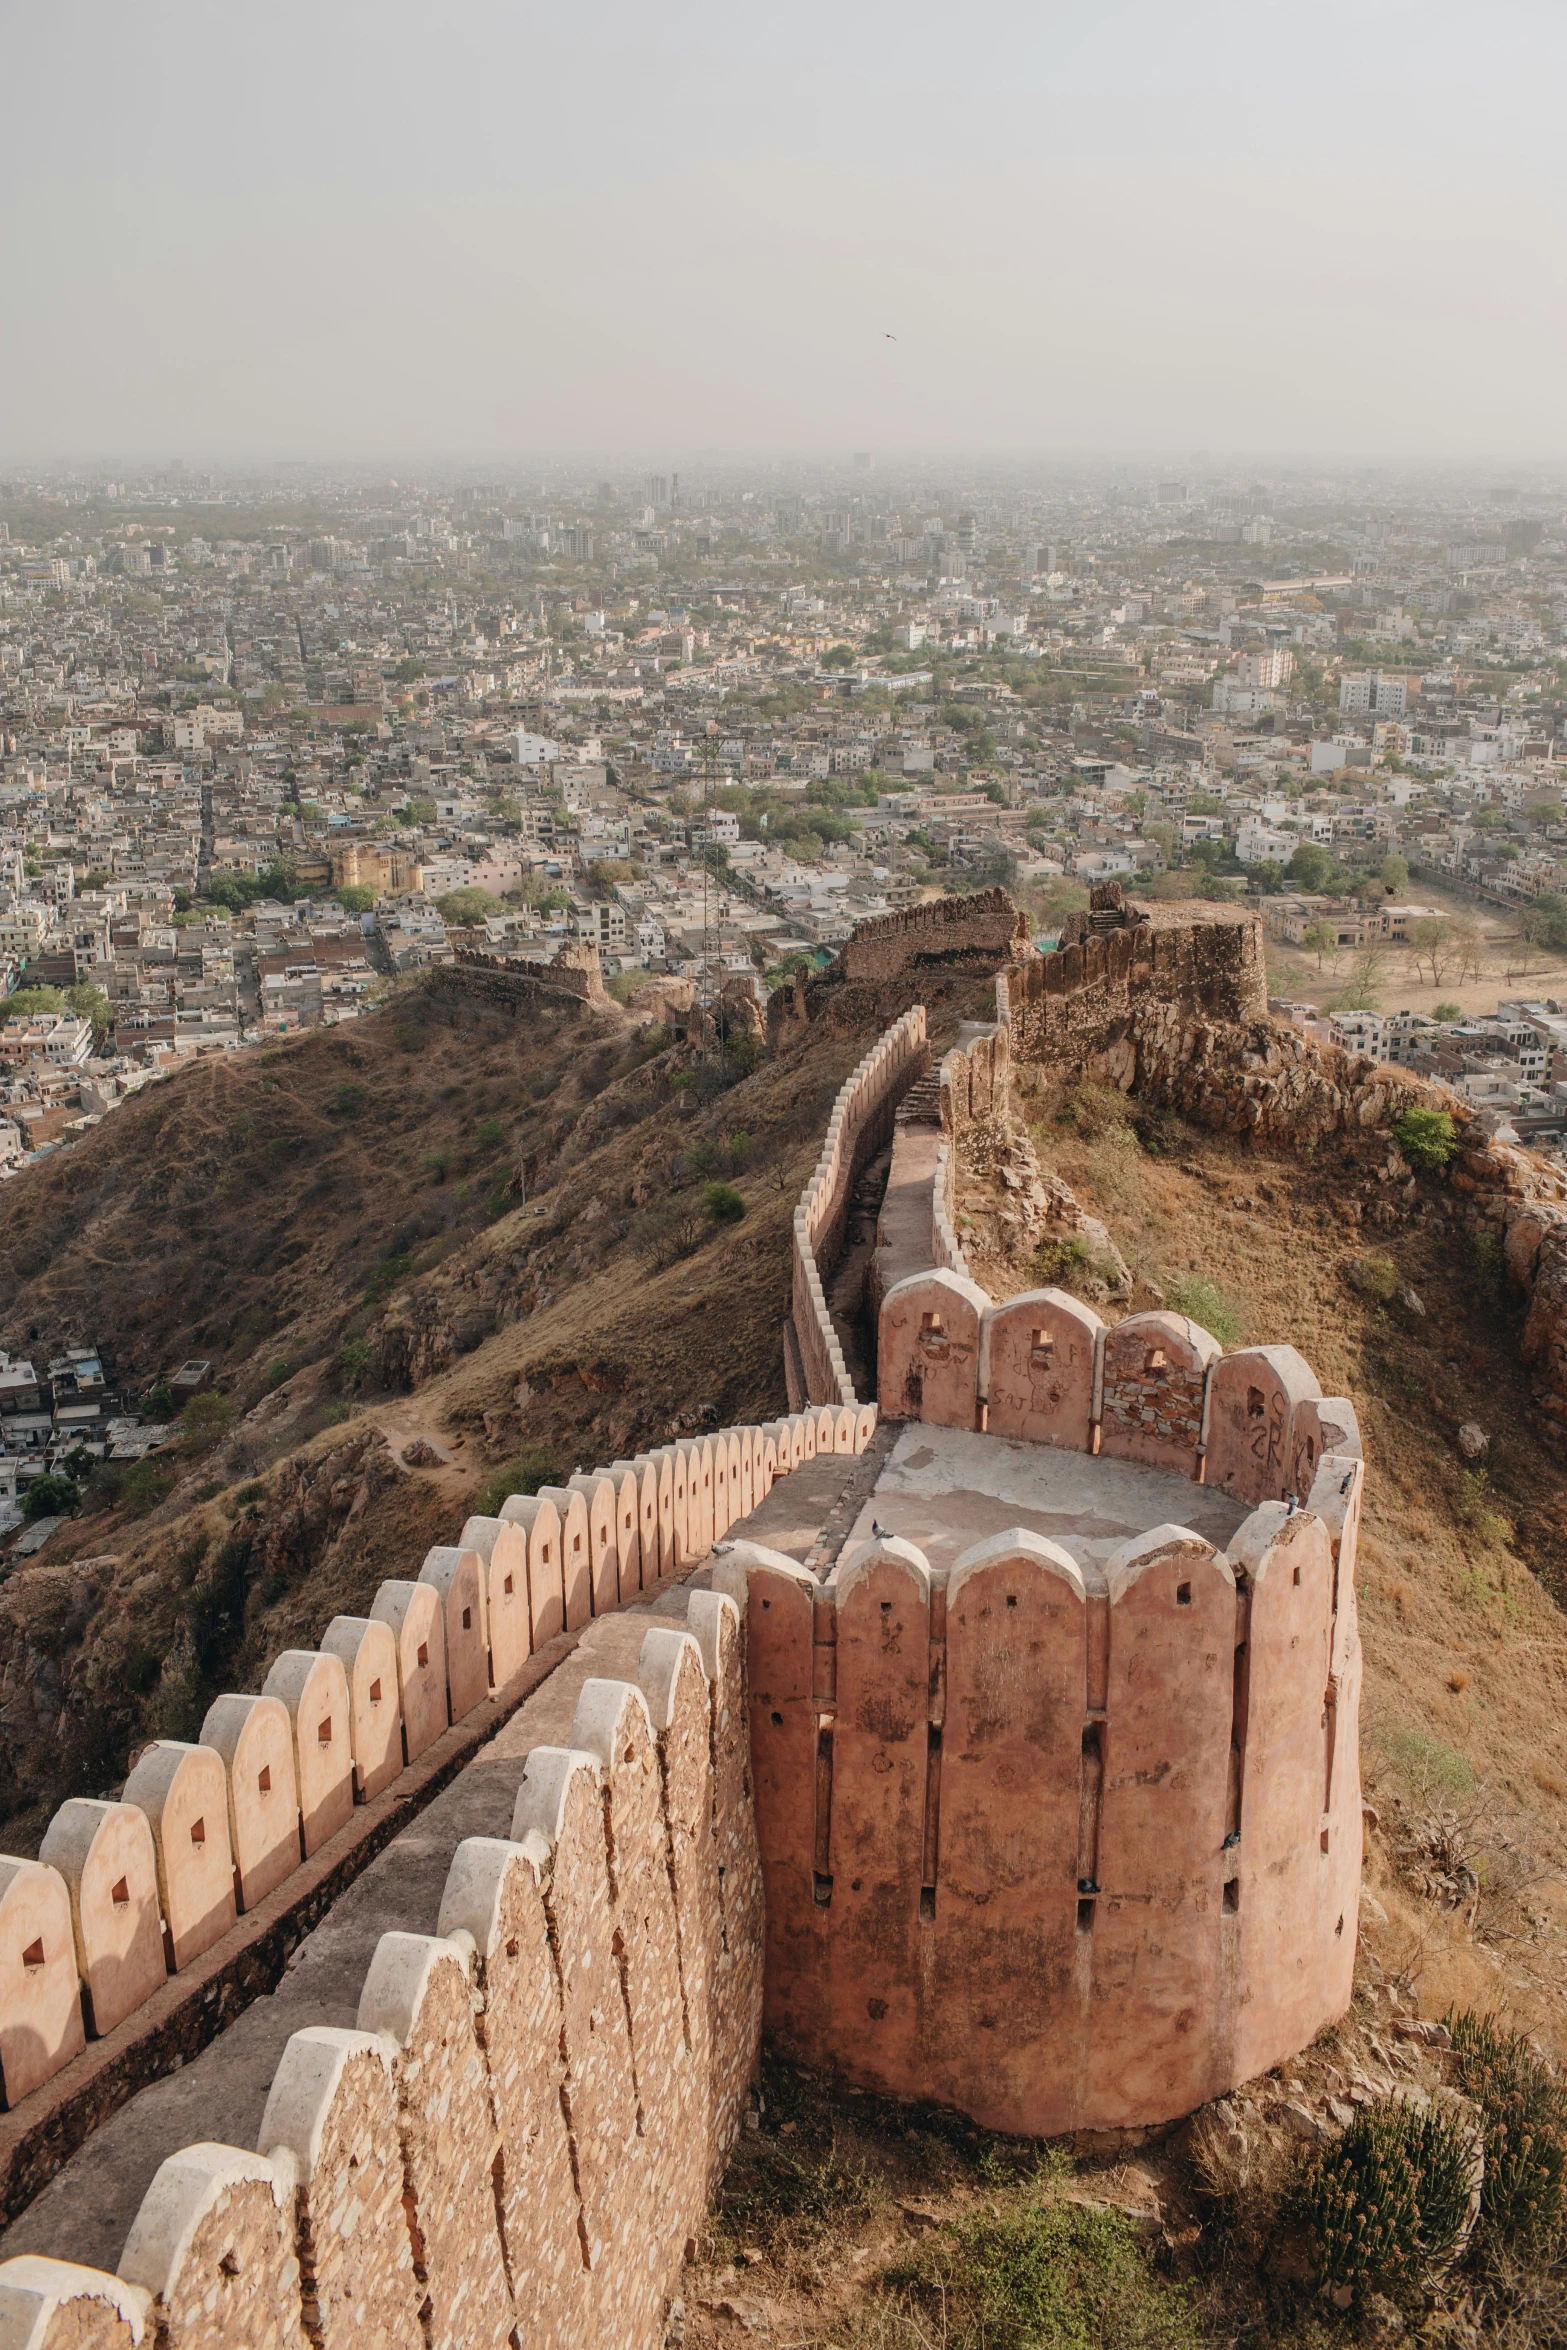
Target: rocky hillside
[(339, 1225)]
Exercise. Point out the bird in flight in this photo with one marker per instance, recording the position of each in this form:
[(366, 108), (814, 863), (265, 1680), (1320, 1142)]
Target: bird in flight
[(887, 338)]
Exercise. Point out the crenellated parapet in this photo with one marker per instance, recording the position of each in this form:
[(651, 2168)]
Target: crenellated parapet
[(126, 1897), (1154, 1388), (533, 2107), (1069, 1843)]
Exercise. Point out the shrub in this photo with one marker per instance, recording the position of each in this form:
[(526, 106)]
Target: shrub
[(436, 1163), (1201, 1300), (1051, 2273), (1524, 2114), (158, 1402), (722, 1204), (1387, 2201), (50, 1496), (385, 1277), (350, 1101), (143, 1485), (355, 1360), (1427, 1138), (1376, 1277), (489, 1134), (280, 1368), (1448, 1012), (208, 1417), (531, 1469)]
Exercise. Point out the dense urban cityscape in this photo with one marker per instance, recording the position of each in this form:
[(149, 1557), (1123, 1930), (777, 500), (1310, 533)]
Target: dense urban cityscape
[(272, 744)]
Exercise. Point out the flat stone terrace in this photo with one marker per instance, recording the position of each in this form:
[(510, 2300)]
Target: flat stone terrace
[(946, 1489), (85, 2212)]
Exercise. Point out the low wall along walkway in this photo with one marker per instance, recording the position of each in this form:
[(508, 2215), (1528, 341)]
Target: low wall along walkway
[(536, 2105), (860, 1125)]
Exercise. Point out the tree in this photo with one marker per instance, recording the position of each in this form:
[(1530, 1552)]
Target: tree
[(1322, 939), (839, 657), (1448, 1012), (50, 1496), (28, 1002), (90, 1003), (1431, 943), (1427, 1138), (1544, 922), (467, 907), (354, 898), (1310, 869), (1395, 874)]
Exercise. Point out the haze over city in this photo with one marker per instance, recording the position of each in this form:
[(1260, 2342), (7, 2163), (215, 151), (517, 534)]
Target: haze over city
[(354, 230)]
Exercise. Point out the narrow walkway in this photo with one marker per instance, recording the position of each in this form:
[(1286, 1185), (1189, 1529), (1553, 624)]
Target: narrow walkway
[(85, 2213)]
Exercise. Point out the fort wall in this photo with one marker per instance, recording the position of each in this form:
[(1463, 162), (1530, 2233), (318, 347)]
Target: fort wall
[(525, 2125), (131, 1894), (498, 979), (860, 1125), (981, 929), (1067, 1846)]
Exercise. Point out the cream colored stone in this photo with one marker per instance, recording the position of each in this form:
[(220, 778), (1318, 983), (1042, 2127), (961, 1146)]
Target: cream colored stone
[(417, 1619), (213, 2244), (367, 1650), (40, 1998), (417, 1991), (105, 1853), (539, 1520), (503, 1552), (256, 1740), (494, 1893), (458, 1575), (314, 1687), (576, 1553), (333, 2107), (184, 1792), (55, 2305)]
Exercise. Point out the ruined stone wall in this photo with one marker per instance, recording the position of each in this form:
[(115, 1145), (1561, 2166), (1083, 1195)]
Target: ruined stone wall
[(982, 929), (572, 971), (860, 1125), (1067, 1006), (127, 1894), (1066, 1847)]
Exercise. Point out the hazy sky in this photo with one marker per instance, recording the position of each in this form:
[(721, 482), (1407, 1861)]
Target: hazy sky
[(348, 229)]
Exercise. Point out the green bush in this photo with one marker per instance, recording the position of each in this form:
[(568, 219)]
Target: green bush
[(350, 1101), (530, 1470), (1052, 2274), (1427, 1138), (1448, 1012), (489, 1134), (1524, 2112), (722, 1204), (280, 1368), (1201, 1300), (1377, 1277), (1386, 2202), (355, 1360), (208, 1416), (50, 1496)]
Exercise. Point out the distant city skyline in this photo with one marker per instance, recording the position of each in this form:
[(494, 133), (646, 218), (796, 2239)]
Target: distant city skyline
[(356, 232)]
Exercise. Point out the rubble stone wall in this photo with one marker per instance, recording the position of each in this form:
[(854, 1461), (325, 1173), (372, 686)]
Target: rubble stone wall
[(1066, 1847), (497, 979), (982, 929)]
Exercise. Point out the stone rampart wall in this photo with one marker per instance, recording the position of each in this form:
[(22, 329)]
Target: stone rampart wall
[(1066, 1847), (538, 2100), (1155, 1387), (1078, 1001), (982, 928), (128, 1893), (535, 2107), (860, 1126), (573, 971)]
